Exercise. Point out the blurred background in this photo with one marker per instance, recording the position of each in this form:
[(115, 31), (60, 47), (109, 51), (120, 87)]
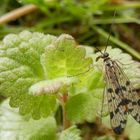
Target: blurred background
[(88, 21)]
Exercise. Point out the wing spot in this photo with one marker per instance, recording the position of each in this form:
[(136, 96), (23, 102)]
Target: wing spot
[(110, 90), (130, 110), (117, 90), (111, 115), (108, 64), (127, 83), (117, 110), (113, 98), (135, 117), (124, 121), (124, 102), (118, 130), (123, 88), (134, 103), (139, 102), (110, 100)]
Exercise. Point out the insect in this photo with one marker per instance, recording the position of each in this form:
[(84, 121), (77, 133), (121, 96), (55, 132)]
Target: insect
[(122, 100)]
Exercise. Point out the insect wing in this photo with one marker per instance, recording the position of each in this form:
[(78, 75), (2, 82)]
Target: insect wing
[(115, 96), (132, 97), (134, 108)]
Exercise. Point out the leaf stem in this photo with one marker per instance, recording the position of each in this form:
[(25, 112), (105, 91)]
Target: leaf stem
[(66, 122)]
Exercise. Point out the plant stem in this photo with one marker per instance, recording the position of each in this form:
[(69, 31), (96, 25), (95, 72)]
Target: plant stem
[(66, 122), (125, 5), (117, 20), (12, 15)]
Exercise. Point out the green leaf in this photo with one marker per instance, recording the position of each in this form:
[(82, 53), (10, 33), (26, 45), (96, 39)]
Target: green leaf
[(92, 82), (20, 67), (20, 61), (13, 126), (133, 129), (82, 107), (32, 62), (39, 106), (64, 58), (71, 133)]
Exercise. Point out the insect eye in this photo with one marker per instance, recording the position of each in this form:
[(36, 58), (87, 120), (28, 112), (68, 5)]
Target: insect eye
[(106, 54)]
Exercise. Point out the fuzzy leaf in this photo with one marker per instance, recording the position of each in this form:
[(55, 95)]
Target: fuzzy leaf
[(20, 67), (71, 133), (31, 61), (13, 126), (64, 58)]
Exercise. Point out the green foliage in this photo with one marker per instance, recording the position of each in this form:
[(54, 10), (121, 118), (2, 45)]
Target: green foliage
[(37, 69), (80, 8), (20, 68), (132, 129), (78, 18), (82, 107), (28, 64), (64, 58), (81, 18), (13, 126), (7, 5), (71, 133)]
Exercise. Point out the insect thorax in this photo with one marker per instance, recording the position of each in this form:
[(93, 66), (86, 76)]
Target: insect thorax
[(108, 62)]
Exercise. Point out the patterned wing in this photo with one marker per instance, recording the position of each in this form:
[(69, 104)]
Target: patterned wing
[(134, 107), (132, 97), (115, 95)]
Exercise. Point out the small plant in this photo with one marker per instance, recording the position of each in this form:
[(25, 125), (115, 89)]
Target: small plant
[(56, 85)]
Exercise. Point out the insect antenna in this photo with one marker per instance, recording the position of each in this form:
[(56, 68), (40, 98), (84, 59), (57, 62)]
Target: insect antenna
[(113, 20), (98, 50)]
